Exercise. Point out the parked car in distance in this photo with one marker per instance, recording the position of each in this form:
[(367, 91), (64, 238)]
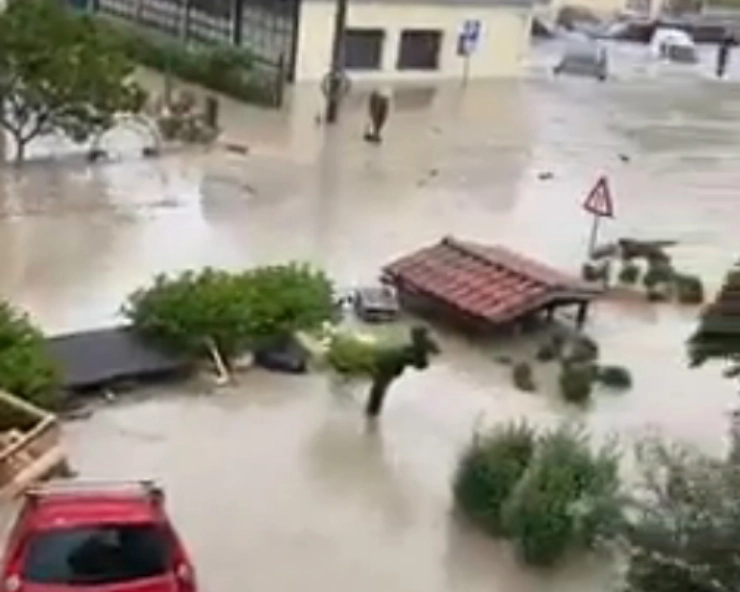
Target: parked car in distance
[(377, 304), (583, 56), (673, 45), (97, 537)]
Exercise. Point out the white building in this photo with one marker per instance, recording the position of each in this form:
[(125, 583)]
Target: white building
[(398, 40)]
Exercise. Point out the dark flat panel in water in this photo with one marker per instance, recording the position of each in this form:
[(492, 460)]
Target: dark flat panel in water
[(93, 358)]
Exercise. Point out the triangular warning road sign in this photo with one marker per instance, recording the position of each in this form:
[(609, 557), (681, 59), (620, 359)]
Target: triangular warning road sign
[(599, 201)]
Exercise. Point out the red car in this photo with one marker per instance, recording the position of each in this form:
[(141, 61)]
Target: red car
[(97, 537)]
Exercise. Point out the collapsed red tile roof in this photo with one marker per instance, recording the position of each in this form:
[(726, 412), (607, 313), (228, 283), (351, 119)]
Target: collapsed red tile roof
[(488, 282)]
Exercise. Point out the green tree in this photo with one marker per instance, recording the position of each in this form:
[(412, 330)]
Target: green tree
[(59, 71), (25, 368)]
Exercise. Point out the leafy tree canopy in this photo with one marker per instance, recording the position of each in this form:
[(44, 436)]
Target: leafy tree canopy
[(59, 71), (194, 310)]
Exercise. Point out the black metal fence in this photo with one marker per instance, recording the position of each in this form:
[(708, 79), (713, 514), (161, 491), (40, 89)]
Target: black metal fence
[(267, 28)]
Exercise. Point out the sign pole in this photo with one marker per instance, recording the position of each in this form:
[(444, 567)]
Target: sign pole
[(466, 69), (599, 204), (594, 239)]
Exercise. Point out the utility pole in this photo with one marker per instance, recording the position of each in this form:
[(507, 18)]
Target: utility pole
[(336, 70)]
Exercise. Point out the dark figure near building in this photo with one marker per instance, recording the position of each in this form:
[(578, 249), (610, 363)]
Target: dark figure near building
[(379, 106), (723, 53)]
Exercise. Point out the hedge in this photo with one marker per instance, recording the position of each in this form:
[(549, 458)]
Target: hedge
[(222, 68)]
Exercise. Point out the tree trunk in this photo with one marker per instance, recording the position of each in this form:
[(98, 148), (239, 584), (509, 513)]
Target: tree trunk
[(375, 401), (20, 150)]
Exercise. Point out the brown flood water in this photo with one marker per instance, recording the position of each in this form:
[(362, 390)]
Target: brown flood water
[(279, 484)]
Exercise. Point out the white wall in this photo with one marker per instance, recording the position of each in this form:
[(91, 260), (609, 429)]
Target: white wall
[(503, 43)]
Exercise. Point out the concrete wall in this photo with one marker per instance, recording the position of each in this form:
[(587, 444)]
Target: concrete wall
[(503, 43)]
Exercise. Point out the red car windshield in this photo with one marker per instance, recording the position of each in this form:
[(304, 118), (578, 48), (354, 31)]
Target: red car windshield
[(97, 555)]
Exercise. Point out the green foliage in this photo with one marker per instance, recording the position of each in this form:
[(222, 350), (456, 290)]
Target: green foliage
[(718, 334), (685, 531), (189, 311), (629, 273), (576, 382), (658, 272), (616, 377), (568, 500), (283, 299), (489, 471), (225, 69), (549, 494), (60, 71), (523, 377), (25, 368), (232, 311), (689, 289), (351, 356)]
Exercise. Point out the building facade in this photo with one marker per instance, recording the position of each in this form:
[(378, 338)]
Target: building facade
[(397, 40)]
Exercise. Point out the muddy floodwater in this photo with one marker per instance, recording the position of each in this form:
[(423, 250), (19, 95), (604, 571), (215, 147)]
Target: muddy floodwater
[(278, 484)]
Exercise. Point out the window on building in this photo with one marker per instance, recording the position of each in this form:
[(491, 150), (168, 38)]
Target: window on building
[(419, 50), (363, 49)]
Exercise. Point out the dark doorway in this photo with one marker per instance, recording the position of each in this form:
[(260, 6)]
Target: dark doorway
[(419, 50), (363, 49)]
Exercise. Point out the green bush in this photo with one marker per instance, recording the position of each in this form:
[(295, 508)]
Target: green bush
[(26, 371), (567, 500), (189, 311), (352, 357), (658, 272), (224, 69), (283, 299), (629, 273), (616, 377), (488, 472), (232, 311), (523, 377), (576, 382), (689, 289), (684, 533)]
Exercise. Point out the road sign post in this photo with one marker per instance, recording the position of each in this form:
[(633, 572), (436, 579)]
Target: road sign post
[(467, 43), (599, 204)]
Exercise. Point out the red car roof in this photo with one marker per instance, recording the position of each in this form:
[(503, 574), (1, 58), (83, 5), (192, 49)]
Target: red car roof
[(70, 510)]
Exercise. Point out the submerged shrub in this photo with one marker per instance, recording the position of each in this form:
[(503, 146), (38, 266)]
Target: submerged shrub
[(523, 377), (568, 499), (617, 377), (629, 274), (576, 382), (488, 472), (689, 289)]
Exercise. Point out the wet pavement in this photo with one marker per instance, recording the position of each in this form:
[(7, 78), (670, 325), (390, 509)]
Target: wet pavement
[(278, 484)]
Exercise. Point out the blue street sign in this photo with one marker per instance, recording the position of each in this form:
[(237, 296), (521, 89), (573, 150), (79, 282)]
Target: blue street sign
[(469, 37), (471, 30)]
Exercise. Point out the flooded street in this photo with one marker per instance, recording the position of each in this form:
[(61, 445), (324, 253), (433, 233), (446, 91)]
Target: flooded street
[(279, 484)]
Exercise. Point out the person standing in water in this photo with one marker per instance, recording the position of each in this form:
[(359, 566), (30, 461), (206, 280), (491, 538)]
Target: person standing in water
[(723, 53), (378, 107)]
